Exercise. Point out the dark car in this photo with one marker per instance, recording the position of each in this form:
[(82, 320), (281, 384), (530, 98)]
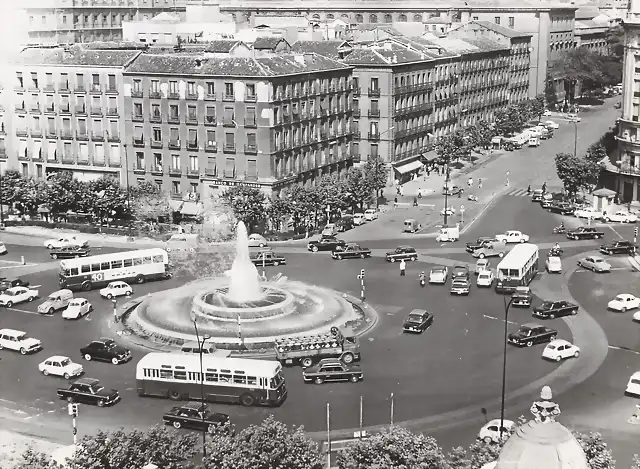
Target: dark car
[(403, 252), (452, 190), (418, 321), (480, 242), (7, 283), (522, 297), (344, 224), (106, 350), (530, 334), (555, 309), (325, 244), (618, 247), (69, 252), (507, 285), (268, 258), (562, 208), (332, 369), (89, 391), (351, 251), (460, 270), (585, 232), (194, 415)]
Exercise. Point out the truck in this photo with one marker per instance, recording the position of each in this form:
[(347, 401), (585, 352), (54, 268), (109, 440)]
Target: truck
[(306, 350)]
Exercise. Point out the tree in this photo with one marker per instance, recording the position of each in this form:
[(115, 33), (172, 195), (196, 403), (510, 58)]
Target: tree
[(270, 445), (537, 106), (109, 200), (278, 209), (148, 202), (33, 194), (510, 119), (64, 193), (12, 186), (32, 459), (480, 134), (574, 172), (615, 42), (595, 153), (596, 450), (636, 462), (393, 448), (248, 204), (585, 67), (358, 188), (376, 174)]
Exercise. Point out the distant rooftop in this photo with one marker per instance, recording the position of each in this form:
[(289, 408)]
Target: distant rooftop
[(327, 48), (503, 30), (268, 42), (221, 45), (77, 56)]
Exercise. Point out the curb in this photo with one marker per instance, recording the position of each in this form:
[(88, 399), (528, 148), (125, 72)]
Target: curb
[(635, 263)]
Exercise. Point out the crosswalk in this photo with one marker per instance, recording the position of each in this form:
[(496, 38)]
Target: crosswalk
[(518, 192)]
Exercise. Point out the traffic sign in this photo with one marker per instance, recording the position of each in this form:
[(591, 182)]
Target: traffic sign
[(462, 207)]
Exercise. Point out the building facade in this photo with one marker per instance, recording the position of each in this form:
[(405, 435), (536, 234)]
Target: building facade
[(66, 112), (197, 124), (70, 21), (622, 173)]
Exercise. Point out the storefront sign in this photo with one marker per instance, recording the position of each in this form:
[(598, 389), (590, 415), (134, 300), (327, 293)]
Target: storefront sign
[(224, 182)]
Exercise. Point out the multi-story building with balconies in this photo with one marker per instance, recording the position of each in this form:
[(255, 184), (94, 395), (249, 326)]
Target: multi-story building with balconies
[(197, 123), (622, 172), (69, 21), (66, 111)]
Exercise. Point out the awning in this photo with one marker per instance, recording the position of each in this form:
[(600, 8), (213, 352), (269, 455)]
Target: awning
[(406, 168), (192, 209), (175, 205)]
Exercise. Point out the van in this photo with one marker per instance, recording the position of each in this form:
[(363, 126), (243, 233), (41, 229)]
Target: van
[(534, 141), (633, 386), (358, 219), (411, 226), (56, 301)]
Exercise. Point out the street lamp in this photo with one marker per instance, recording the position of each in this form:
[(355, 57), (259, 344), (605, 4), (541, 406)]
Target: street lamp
[(126, 175), (205, 337), (507, 305), (575, 139), (446, 190)]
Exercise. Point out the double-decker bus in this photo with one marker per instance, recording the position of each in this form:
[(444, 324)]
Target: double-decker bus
[(518, 268), (85, 273), (228, 380)]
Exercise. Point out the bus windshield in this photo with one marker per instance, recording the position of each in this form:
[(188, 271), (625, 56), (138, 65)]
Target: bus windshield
[(276, 381)]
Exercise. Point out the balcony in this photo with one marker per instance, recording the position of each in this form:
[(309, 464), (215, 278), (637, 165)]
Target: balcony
[(137, 94), (34, 108), (95, 89), (138, 142), (373, 135), (65, 110), (36, 133), (51, 134), (192, 96), (228, 97), (113, 138), (210, 121), (229, 148), (192, 144), (157, 118), (155, 94), (137, 118), (373, 113), (79, 89), (356, 134), (66, 135), (80, 111), (174, 144), (356, 91), (193, 173), (63, 87), (111, 90), (156, 144), (250, 123), (250, 98), (112, 111), (20, 109), (97, 136), (211, 97), (173, 119), (139, 168), (82, 136), (173, 95), (211, 147), (96, 111), (173, 171), (157, 170), (251, 149), (191, 120), (21, 132), (228, 123)]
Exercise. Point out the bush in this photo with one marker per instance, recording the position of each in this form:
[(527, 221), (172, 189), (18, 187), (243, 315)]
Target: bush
[(457, 165)]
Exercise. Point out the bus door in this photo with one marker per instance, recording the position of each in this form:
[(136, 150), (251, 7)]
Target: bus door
[(264, 383)]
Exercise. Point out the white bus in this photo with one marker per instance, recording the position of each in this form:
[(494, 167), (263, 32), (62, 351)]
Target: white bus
[(90, 272), (518, 268), (229, 380)]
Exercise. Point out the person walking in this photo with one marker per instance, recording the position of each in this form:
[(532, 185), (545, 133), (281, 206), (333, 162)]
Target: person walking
[(422, 279), (507, 182), (470, 182), (479, 183), (403, 268), (544, 187)]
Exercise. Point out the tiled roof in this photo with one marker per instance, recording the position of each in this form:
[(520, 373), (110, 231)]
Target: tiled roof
[(364, 57), (267, 42), (508, 32), (78, 57), (587, 12), (486, 44), (221, 45), (436, 20), (112, 45), (182, 64), (326, 48)]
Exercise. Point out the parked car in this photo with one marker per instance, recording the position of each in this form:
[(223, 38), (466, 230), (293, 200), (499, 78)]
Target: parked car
[(370, 214), (624, 302), (490, 431), (407, 253), (332, 369), (560, 349), (351, 251), (18, 341), (418, 321), (16, 295), (60, 366), (196, 416), (115, 289), (530, 334), (359, 219), (589, 213), (553, 265), (89, 391), (439, 274), (513, 236), (619, 247), (620, 217), (257, 241), (522, 297), (5, 283), (485, 279), (552, 125), (106, 350), (325, 244), (329, 230), (78, 307), (585, 232), (595, 264), (482, 265), (555, 309)]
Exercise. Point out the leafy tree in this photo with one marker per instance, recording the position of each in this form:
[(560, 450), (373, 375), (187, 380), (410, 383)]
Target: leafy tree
[(64, 193), (278, 209), (393, 448), (615, 42), (148, 202), (32, 459), (270, 445), (358, 188), (595, 153), (376, 174), (12, 186), (33, 194), (109, 200), (575, 173), (596, 450), (636, 462), (588, 68), (480, 134), (537, 106), (511, 119), (248, 204), (303, 202), (452, 147)]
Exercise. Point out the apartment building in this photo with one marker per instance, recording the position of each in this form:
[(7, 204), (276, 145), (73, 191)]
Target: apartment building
[(198, 124), (66, 112), (520, 56), (70, 21)]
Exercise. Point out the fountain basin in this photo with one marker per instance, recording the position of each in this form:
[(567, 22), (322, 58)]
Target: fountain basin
[(216, 305)]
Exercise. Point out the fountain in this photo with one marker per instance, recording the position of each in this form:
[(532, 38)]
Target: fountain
[(240, 309)]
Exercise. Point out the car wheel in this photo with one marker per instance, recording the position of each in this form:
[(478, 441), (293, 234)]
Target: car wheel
[(339, 258), (552, 316), (558, 358), (596, 237), (574, 312), (109, 296), (529, 344), (140, 279), (521, 240), (247, 400), (354, 379), (576, 354), (87, 357), (114, 361), (31, 298), (261, 245), (51, 311), (501, 254), (393, 259), (481, 256), (553, 337), (45, 372), (276, 263), (607, 219), (54, 256), (9, 304), (363, 255), (414, 258), (175, 395), (101, 403), (314, 248), (347, 358), (318, 380), (307, 362), (66, 376), (128, 293), (176, 424)]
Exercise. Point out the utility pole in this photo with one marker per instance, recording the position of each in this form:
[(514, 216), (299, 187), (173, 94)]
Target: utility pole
[(362, 288), (73, 412)]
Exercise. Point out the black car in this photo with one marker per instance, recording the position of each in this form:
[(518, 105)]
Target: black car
[(555, 309), (562, 208), (344, 224), (6, 283), (89, 391), (69, 252), (507, 285), (403, 252), (460, 270), (325, 244), (332, 369), (618, 247), (418, 321), (530, 334), (479, 243), (106, 350), (351, 251), (194, 415), (585, 232), (268, 258), (522, 297)]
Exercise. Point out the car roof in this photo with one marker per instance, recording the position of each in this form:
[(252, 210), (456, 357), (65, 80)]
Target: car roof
[(88, 381), (560, 342), (58, 358), (625, 295), (532, 324), (330, 361), (439, 267), (77, 300), (636, 374), (418, 311), (507, 423), (11, 331)]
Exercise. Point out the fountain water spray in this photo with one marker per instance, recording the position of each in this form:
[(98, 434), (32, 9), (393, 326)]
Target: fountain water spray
[(244, 280)]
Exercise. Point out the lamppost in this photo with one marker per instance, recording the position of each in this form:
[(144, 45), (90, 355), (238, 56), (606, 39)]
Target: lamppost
[(205, 337), (447, 179), (507, 305), (575, 139), (126, 175)]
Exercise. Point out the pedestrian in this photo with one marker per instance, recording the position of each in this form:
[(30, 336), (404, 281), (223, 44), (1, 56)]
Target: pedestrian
[(470, 182), (544, 187), (507, 182), (403, 267), (415, 201), (479, 183), (428, 173), (401, 191), (529, 189), (395, 202), (419, 193), (422, 279)]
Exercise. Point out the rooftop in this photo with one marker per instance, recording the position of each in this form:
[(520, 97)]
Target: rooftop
[(327, 48), (268, 42), (77, 56), (191, 64), (221, 45), (508, 32)]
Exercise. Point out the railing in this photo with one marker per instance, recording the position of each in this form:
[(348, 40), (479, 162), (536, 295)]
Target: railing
[(113, 138), (228, 97), (111, 90), (251, 149), (192, 96), (79, 89), (173, 171), (155, 94), (137, 118), (97, 136), (96, 111), (63, 87), (373, 92), (156, 144), (35, 133), (138, 142), (192, 120), (211, 97), (66, 135), (174, 144), (172, 95), (157, 170), (155, 118), (192, 145), (251, 123), (373, 113), (229, 148), (211, 147), (250, 98), (82, 136), (173, 119), (137, 94), (21, 132), (373, 136)]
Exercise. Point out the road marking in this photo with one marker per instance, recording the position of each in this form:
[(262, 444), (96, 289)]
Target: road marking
[(612, 269), (614, 230), (624, 349), (498, 319), (25, 311)]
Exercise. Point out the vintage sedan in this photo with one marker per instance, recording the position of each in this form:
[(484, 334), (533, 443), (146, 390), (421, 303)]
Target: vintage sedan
[(418, 321), (115, 289), (332, 369), (619, 247), (60, 366), (555, 309), (595, 264), (522, 297), (513, 236), (624, 302), (439, 274), (485, 279), (6, 283), (105, 350), (89, 391), (460, 286), (562, 208), (407, 253), (69, 252), (351, 251), (194, 415), (78, 307), (585, 232), (490, 431), (560, 349), (325, 244), (64, 242), (480, 242), (589, 213), (257, 240), (16, 295), (529, 334), (621, 217)]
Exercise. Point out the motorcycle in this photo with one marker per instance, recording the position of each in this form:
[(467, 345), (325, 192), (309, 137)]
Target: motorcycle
[(472, 198), (555, 252), (423, 281), (559, 230)]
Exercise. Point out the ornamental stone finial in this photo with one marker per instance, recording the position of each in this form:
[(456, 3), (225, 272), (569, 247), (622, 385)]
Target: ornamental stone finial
[(544, 410)]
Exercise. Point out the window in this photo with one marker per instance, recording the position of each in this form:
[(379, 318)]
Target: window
[(191, 113), (374, 150), (230, 140), (251, 91), (374, 84), (373, 128), (359, 19), (95, 82), (191, 88), (175, 162), (83, 157), (139, 160), (175, 187), (373, 18), (157, 134), (193, 138), (211, 89), (174, 136), (51, 125), (155, 111), (173, 112), (496, 20), (137, 86), (82, 127), (138, 135), (251, 141), (388, 19), (252, 169), (230, 168), (250, 116), (34, 79), (97, 127), (228, 90), (210, 117), (157, 161), (112, 83), (173, 87), (113, 129), (36, 123), (193, 163), (228, 116), (512, 22), (137, 109), (155, 86)]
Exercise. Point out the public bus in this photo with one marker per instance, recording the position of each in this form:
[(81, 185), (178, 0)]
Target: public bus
[(85, 273), (518, 268), (227, 380)]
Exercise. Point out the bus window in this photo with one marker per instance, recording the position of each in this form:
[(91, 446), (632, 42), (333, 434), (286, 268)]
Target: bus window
[(128, 262), (240, 379), (180, 375), (211, 376), (116, 264), (194, 376), (252, 380), (66, 272), (151, 373), (225, 378), (157, 259), (514, 273), (137, 261), (95, 267), (85, 268), (146, 260), (105, 266), (166, 374), (74, 271)]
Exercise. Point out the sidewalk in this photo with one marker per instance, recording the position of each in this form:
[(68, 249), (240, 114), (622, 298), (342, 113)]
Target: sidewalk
[(14, 444)]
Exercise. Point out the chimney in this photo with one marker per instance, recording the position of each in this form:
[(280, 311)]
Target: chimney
[(394, 59)]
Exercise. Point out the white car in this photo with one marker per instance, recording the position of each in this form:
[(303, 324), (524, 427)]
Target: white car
[(450, 211), (547, 113), (64, 242), (624, 302), (636, 316), (559, 349), (16, 295), (553, 265), (595, 264), (633, 386), (358, 219), (490, 432), (257, 240), (552, 125), (573, 117), (3, 249), (115, 289), (621, 217), (60, 366), (370, 214), (485, 279), (589, 213), (17, 340), (513, 236), (77, 308), (439, 274)]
